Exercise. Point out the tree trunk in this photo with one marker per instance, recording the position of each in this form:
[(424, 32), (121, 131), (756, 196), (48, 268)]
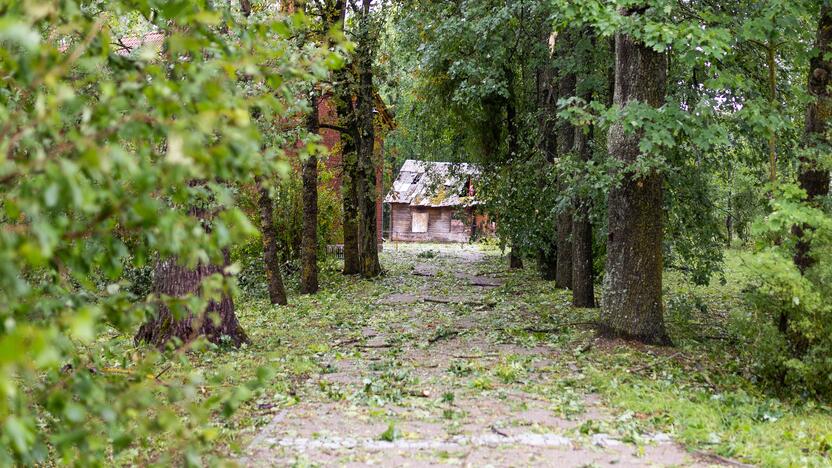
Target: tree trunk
[(277, 292), (583, 288), (632, 303), (215, 322), (515, 261), (547, 263), (547, 256), (812, 178), (344, 105), (349, 193), (565, 145), (309, 241), (366, 186)]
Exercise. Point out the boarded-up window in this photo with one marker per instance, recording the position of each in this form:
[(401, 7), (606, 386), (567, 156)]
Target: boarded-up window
[(420, 222)]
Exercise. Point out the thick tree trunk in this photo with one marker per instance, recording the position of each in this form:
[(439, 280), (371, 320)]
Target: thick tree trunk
[(583, 288), (366, 186), (632, 303), (277, 292), (217, 322), (309, 241), (565, 144), (814, 179)]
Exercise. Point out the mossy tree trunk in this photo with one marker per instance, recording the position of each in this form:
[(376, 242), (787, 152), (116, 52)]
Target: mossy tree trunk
[(632, 303), (583, 288), (309, 241), (218, 322), (271, 263), (349, 180), (366, 180), (813, 178)]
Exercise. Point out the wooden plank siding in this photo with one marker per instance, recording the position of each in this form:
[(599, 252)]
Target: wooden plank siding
[(441, 225)]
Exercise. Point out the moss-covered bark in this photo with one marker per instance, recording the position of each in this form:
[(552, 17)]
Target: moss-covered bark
[(271, 263), (309, 241), (218, 322), (350, 208), (632, 304), (366, 172)]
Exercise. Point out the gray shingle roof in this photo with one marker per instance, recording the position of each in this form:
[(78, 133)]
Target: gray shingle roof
[(433, 184)]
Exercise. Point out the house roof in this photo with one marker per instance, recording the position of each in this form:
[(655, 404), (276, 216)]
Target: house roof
[(433, 184)]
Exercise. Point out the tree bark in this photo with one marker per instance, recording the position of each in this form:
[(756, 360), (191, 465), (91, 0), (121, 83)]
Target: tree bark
[(547, 255), (309, 241), (277, 292), (366, 186), (217, 322), (583, 287), (349, 179), (515, 261), (812, 178), (632, 303), (565, 144)]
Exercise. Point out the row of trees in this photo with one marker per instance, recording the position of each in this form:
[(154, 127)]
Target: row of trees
[(619, 138), (627, 137)]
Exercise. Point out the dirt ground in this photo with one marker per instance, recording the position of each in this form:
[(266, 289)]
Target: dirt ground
[(411, 389)]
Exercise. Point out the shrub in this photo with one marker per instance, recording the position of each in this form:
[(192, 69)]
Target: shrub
[(788, 323)]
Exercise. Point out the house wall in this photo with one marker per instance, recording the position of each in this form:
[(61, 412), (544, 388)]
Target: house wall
[(441, 225)]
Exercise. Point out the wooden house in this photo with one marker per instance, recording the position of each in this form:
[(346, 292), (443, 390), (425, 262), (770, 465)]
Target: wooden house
[(435, 202)]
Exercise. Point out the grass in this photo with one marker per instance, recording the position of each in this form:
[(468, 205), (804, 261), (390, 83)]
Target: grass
[(699, 392)]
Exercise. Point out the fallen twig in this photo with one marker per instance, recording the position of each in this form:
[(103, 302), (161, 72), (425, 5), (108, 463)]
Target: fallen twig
[(497, 431), (443, 335), (373, 346), (475, 356), (163, 371)]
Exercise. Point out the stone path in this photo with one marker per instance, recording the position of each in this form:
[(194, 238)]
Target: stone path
[(429, 383)]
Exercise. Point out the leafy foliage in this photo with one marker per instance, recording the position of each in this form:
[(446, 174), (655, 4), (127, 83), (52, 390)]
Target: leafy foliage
[(104, 150), (788, 322)]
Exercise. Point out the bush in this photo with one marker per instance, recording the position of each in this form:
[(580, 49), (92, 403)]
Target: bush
[(789, 320)]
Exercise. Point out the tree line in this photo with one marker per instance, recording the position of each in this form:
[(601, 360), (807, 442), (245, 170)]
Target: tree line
[(627, 138)]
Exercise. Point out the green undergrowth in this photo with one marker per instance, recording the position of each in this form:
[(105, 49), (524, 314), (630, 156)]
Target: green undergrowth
[(698, 391)]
